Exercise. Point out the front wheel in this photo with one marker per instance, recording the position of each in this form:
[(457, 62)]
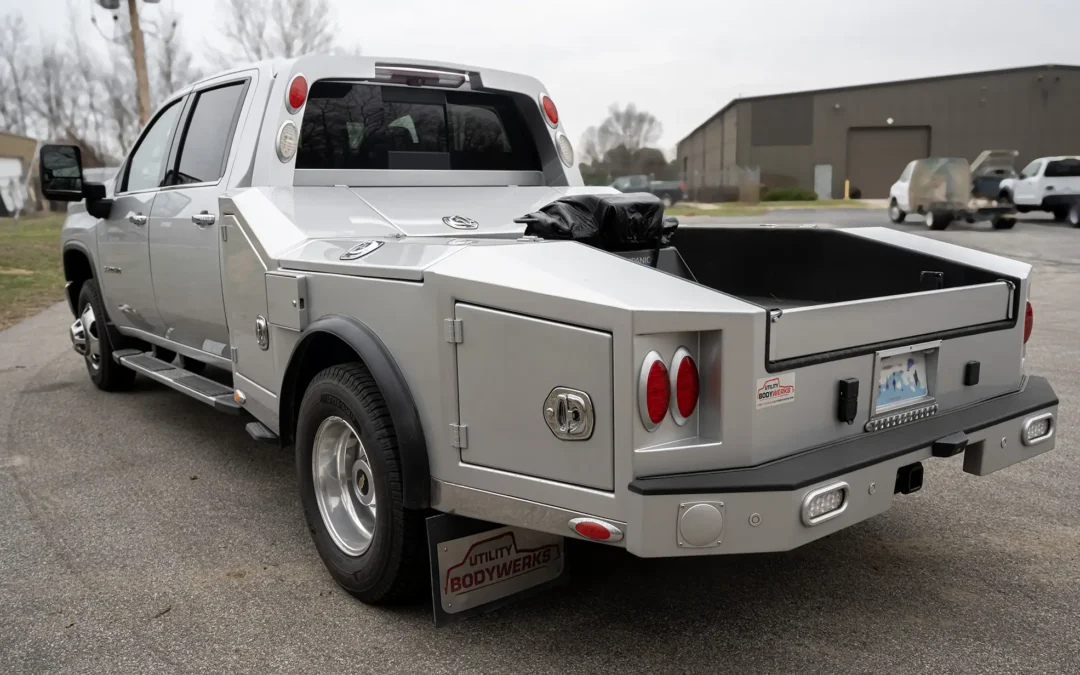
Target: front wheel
[(937, 220), (896, 214), (91, 339), (1060, 213), (350, 485), (668, 201)]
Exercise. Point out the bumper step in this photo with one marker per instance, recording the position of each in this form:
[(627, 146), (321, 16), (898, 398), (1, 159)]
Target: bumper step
[(197, 387), (259, 432)]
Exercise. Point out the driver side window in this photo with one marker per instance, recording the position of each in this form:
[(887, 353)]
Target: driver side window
[(146, 163)]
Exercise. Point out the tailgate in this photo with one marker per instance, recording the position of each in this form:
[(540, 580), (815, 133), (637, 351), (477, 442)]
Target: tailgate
[(806, 331)]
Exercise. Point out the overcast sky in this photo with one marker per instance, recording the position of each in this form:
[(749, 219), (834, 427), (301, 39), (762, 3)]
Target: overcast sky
[(682, 60)]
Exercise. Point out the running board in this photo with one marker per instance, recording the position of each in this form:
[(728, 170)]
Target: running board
[(184, 381)]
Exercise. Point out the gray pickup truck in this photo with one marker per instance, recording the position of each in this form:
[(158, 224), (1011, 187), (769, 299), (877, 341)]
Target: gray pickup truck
[(331, 247)]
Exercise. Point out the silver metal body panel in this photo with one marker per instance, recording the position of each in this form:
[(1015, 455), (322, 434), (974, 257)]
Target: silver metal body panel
[(812, 330), (123, 264), (500, 370)]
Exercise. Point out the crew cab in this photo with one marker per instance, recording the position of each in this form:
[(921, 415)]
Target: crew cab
[(1046, 184), (346, 252)]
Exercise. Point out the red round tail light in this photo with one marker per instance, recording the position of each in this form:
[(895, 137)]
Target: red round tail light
[(654, 391), (297, 93), (1029, 322), (550, 111), (687, 386)]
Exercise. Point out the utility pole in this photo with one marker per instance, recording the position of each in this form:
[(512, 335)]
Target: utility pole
[(138, 54)]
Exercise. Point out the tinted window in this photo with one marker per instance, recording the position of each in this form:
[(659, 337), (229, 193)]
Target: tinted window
[(363, 126), (207, 139), (144, 169), (1063, 168)]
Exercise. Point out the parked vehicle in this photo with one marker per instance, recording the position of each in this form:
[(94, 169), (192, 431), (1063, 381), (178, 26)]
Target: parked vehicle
[(944, 189), (1046, 184), (323, 231), (670, 192)]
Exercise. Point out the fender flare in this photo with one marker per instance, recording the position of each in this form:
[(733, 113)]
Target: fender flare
[(81, 248), (412, 446)]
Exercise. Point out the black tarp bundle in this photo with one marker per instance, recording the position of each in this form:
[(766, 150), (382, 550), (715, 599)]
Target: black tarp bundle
[(613, 222)]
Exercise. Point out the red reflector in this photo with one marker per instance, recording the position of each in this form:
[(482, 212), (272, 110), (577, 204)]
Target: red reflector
[(592, 530), (1029, 322), (297, 93), (550, 110), (657, 392), (687, 387)]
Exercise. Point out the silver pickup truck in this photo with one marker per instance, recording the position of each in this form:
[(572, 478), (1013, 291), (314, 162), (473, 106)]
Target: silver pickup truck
[(332, 247)]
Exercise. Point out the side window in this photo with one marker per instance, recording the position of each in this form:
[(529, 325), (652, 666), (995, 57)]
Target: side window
[(204, 147), (144, 167)]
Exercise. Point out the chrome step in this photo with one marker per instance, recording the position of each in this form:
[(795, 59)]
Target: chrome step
[(260, 432), (184, 381)]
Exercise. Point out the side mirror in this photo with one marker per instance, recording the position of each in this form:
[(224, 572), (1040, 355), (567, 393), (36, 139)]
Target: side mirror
[(60, 167)]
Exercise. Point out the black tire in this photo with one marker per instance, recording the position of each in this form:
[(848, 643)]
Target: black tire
[(1005, 198), (1074, 214), (937, 220), (1003, 222), (395, 565), (1060, 213), (106, 374), (896, 214)]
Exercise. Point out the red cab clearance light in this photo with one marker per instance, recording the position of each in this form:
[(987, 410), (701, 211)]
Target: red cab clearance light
[(550, 111), (654, 391), (1029, 322), (297, 94), (687, 385)]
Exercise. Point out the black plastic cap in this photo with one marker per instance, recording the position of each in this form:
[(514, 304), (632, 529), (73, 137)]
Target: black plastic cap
[(971, 373)]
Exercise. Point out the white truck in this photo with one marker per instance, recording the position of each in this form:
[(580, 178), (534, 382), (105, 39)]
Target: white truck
[(393, 267), (1046, 184)]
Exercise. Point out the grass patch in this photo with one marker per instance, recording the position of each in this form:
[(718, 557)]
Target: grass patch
[(721, 210), (31, 273)]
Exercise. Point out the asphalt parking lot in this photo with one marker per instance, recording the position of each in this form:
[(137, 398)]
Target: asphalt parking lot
[(143, 533)]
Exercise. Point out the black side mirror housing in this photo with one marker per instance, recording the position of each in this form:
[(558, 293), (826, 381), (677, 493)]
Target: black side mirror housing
[(60, 168)]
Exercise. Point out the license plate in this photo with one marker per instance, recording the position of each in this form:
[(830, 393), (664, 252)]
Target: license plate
[(902, 380)]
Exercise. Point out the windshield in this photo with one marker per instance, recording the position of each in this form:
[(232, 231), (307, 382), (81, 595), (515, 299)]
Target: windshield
[(363, 126)]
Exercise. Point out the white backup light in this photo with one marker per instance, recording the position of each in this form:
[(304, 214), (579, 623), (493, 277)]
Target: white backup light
[(824, 503), (1037, 429), (566, 151), (288, 137)]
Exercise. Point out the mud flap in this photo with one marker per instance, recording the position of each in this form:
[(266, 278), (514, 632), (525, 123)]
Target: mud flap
[(477, 566)]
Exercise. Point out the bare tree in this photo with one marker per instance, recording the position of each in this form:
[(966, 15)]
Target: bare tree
[(265, 29), (14, 68), (629, 127), (174, 62), (594, 146)]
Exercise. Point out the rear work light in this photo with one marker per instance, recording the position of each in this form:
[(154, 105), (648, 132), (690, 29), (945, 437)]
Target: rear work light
[(296, 95), (551, 113), (824, 503), (686, 385), (654, 391), (1029, 322)]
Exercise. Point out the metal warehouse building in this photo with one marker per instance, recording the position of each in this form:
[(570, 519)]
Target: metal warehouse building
[(868, 133)]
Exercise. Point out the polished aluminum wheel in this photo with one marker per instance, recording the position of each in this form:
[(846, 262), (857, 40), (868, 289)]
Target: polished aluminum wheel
[(344, 485), (85, 337)]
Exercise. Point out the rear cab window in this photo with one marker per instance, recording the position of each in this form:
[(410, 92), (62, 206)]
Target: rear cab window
[(350, 125), (207, 137), (1063, 168)]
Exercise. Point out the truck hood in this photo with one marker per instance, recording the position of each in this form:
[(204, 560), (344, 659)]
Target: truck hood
[(456, 211)]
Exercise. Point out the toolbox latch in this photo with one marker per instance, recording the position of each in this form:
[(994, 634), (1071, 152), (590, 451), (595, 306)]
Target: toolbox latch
[(848, 400)]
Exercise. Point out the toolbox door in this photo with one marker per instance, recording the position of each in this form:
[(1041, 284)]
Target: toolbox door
[(509, 367)]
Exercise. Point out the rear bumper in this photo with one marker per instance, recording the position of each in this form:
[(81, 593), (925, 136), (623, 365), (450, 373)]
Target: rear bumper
[(760, 508)]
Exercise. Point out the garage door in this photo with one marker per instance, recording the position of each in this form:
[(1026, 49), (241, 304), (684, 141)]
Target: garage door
[(877, 155)]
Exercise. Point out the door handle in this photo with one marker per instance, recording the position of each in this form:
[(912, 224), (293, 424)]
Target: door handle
[(204, 219), (137, 219)]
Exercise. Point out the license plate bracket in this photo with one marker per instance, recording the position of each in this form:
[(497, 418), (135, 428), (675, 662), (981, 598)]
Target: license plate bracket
[(904, 377)]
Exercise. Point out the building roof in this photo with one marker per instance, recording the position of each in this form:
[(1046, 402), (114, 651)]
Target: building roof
[(918, 80)]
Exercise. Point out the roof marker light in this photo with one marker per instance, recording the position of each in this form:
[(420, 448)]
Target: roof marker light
[(296, 96)]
